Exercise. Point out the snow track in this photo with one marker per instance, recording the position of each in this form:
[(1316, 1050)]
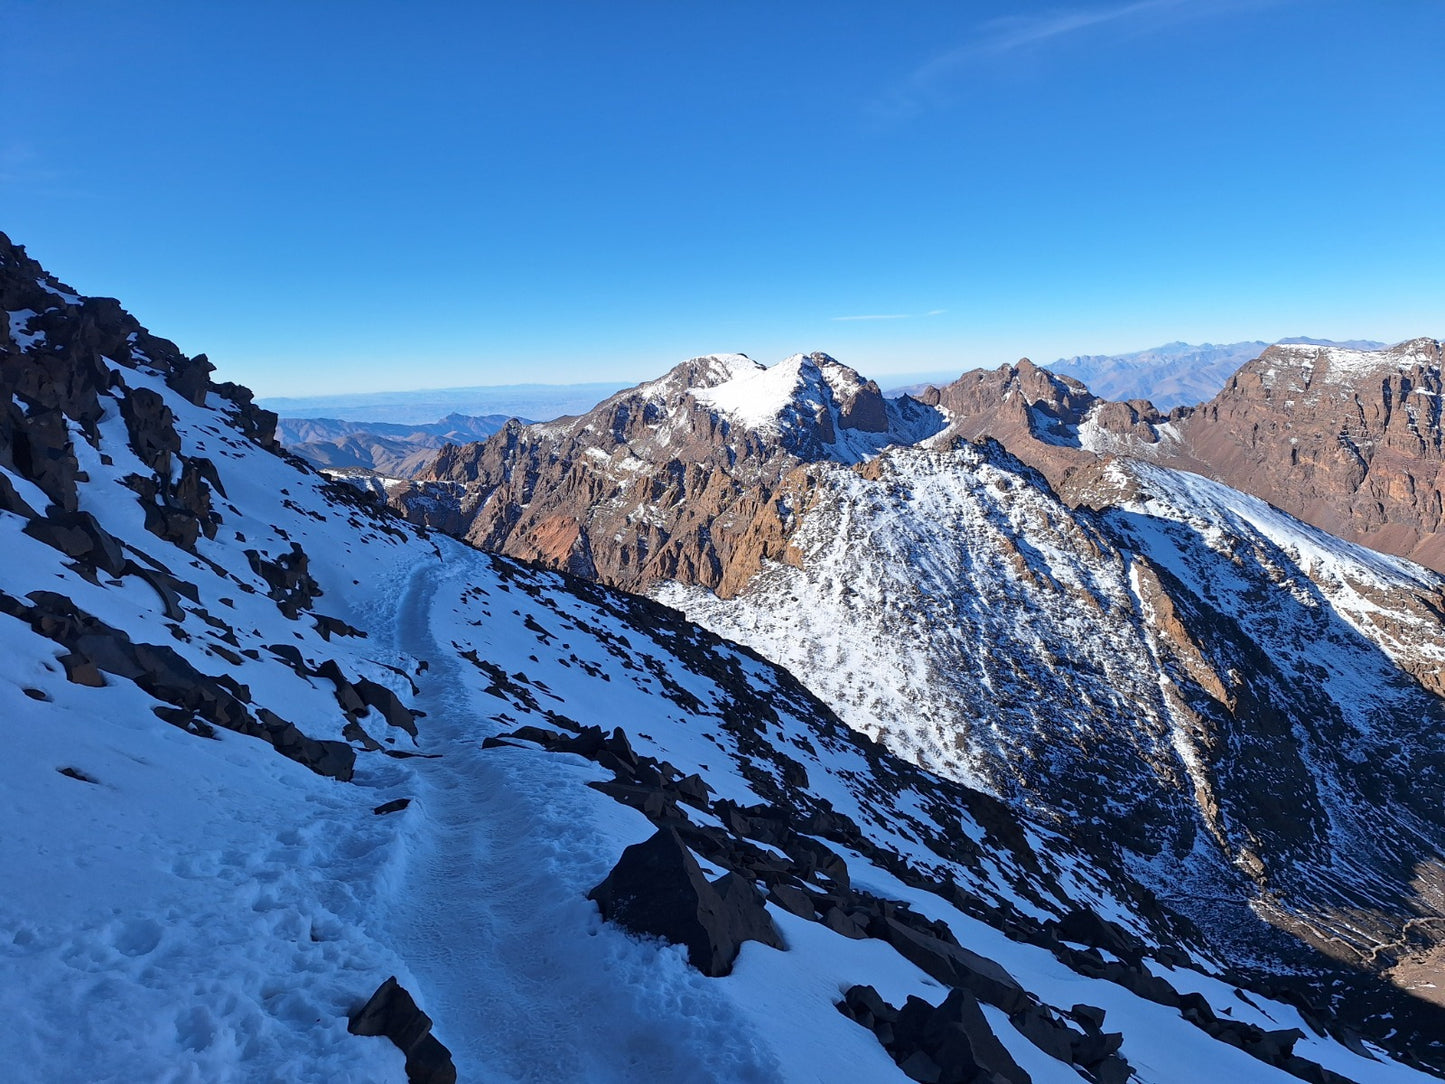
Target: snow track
[(492, 916)]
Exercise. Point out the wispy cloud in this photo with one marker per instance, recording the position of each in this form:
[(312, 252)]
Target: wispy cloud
[(1001, 37), (892, 315), (20, 163)]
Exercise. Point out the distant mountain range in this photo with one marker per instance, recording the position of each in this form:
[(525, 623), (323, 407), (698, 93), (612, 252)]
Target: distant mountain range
[(1032, 591), (388, 448), (1177, 373), (540, 401)]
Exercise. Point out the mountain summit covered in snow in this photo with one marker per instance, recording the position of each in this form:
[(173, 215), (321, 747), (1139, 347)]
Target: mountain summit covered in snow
[(297, 790)]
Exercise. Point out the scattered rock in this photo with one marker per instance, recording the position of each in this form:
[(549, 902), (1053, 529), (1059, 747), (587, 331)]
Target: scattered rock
[(391, 1012)]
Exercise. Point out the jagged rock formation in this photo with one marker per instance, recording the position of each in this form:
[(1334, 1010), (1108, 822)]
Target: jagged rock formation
[(665, 480)]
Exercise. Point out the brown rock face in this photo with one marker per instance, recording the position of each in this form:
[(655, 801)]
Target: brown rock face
[(1349, 441), (678, 479)]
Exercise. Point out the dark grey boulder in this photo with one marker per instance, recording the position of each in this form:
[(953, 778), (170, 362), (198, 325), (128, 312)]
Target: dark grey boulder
[(657, 889), (392, 1012)]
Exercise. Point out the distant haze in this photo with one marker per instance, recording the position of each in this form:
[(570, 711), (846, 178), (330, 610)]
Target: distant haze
[(539, 402)]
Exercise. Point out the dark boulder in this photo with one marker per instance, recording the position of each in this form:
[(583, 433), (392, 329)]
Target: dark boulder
[(954, 965), (391, 1012), (956, 1038), (78, 535), (657, 889), (386, 702)]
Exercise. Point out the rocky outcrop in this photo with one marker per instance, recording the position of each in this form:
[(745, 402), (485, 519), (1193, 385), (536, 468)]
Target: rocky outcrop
[(198, 701), (1350, 441)]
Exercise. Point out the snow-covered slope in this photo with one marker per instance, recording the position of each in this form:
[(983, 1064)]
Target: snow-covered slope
[(1249, 707)]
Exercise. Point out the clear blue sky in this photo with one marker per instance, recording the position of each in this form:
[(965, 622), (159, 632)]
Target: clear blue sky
[(332, 196)]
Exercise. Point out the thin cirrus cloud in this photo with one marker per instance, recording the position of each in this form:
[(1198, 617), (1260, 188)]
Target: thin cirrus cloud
[(892, 315), (995, 38)]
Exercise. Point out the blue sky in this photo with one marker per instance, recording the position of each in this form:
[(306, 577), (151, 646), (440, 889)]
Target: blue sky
[(350, 196)]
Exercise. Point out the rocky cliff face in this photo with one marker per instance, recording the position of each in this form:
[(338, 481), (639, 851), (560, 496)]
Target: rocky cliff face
[(668, 480), (1244, 705), (1348, 440)]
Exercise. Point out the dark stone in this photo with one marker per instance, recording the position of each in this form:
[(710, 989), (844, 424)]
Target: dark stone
[(657, 889), (391, 1012), (1038, 1026), (11, 501), (346, 694), (333, 626), (1093, 1048), (78, 535), (839, 921), (693, 790), (386, 702), (920, 1067), (355, 732), (1276, 1047), (954, 965), (745, 903), (865, 1005), (1113, 1070), (291, 655), (621, 748), (1196, 1009), (393, 806), (77, 774), (586, 743), (653, 802), (793, 899), (81, 671), (956, 1038), (1091, 1016), (1087, 928), (335, 759), (813, 856)]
